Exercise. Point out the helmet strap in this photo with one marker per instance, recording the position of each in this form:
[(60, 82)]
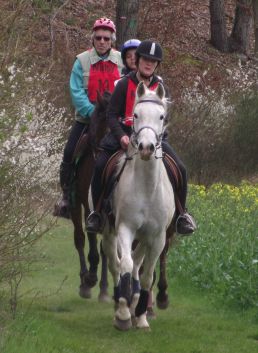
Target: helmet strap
[(142, 77)]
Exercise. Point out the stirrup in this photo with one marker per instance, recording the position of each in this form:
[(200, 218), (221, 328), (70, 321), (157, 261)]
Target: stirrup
[(94, 222)]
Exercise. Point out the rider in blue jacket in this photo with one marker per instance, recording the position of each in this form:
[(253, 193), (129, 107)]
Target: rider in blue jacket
[(95, 69)]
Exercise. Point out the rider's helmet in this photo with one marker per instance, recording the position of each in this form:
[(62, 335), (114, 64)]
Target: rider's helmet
[(129, 44), (104, 23), (150, 50)]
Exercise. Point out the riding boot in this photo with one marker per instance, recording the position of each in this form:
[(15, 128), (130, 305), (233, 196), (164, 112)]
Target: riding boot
[(62, 208), (95, 220), (185, 223)]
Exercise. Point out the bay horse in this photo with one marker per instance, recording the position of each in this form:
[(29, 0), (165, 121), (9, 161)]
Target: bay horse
[(143, 206), (85, 153)]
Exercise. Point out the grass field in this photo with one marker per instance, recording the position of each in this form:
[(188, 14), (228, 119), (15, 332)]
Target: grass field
[(52, 318)]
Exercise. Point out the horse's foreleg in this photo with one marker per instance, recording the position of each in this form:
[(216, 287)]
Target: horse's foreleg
[(109, 244), (103, 295), (162, 296), (146, 281), (138, 256), (79, 242), (122, 315), (93, 258)]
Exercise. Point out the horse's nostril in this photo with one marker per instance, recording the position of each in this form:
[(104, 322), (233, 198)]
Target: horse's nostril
[(152, 148), (140, 147)]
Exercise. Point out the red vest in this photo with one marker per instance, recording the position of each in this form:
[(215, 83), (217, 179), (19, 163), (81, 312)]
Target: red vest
[(102, 76), (130, 98)]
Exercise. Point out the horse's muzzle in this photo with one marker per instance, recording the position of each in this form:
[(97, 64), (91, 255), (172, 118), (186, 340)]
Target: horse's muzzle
[(146, 151)]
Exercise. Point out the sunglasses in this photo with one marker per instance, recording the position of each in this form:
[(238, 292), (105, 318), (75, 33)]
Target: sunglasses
[(98, 38)]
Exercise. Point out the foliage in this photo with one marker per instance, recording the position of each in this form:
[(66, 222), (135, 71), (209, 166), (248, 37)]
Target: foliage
[(245, 132), (222, 257), (46, 6), (31, 129), (214, 131)]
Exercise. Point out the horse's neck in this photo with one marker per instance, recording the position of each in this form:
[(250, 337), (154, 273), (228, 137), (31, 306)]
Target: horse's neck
[(147, 173)]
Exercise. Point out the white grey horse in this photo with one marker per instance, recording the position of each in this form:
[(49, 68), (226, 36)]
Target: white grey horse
[(143, 206)]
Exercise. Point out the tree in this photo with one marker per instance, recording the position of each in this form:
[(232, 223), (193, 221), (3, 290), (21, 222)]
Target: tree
[(255, 11), (219, 38), (126, 20), (240, 36)]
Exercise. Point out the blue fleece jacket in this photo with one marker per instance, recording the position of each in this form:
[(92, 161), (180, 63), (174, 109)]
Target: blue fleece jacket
[(79, 96)]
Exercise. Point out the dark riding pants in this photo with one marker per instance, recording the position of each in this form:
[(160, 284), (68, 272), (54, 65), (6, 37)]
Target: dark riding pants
[(73, 138)]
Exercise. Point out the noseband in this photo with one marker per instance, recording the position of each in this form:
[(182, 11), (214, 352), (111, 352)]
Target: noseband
[(135, 134)]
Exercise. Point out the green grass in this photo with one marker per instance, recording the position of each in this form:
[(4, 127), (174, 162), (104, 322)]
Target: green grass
[(50, 322)]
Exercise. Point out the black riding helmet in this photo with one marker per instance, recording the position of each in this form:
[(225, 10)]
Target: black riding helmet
[(149, 50)]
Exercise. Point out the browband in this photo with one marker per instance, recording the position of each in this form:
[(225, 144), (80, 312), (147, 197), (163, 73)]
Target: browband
[(150, 101)]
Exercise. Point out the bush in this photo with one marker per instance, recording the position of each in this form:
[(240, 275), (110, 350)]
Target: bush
[(222, 256), (31, 131), (245, 133), (215, 132)]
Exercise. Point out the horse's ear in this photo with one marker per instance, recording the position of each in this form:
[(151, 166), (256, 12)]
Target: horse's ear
[(140, 89), (160, 91)]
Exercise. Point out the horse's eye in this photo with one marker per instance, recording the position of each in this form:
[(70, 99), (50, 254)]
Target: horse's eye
[(135, 116), (161, 117)]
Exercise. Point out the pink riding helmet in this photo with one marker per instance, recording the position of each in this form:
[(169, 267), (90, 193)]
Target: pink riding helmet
[(104, 23)]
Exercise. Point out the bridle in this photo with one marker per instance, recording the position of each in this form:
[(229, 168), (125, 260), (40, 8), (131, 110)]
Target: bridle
[(135, 134)]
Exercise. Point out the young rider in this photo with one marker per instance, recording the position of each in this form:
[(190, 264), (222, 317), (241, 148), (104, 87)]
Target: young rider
[(119, 114), (128, 55), (94, 70)]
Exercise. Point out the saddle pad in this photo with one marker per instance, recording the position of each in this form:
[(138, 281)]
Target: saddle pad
[(173, 171)]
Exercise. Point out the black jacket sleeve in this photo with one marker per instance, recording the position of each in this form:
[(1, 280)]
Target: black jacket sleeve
[(116, 108)]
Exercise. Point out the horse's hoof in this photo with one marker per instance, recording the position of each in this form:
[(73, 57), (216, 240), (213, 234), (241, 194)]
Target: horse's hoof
[(122, 325), (104, 298), (162, 301), (162, 304), (151, 314), (142, 323), (85, 292), (91, 279)]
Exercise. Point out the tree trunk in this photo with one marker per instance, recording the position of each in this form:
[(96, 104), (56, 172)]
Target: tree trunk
[(240, 36), (255, 11), (219, 38), (126, 20)]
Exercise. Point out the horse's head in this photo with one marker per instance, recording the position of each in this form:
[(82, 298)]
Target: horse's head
[(150, 109), (98, 123)]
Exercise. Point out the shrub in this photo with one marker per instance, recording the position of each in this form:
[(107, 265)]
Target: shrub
[(222, 256), (31, 131)]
